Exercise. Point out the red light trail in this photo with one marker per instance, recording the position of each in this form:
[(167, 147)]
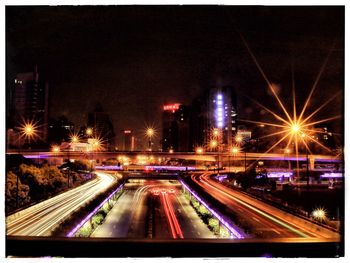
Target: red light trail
[(172, 220)]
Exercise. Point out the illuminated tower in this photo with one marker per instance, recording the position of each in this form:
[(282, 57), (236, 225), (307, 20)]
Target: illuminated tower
[(222, 113)]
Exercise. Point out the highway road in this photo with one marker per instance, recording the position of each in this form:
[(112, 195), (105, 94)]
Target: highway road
[(172, 216), (263, 221), (40, 219)]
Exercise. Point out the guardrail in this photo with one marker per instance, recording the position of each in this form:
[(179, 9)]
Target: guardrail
[(82, 222)]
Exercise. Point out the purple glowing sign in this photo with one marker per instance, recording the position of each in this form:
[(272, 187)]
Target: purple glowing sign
[(82, 222), (38, 156), (219, 112), (168, 167), (279, 174), (108, 167), (332, 175), (233, 231)]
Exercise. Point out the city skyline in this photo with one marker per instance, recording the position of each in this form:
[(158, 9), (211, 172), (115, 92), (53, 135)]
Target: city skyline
[(168, 56), (175, 131)]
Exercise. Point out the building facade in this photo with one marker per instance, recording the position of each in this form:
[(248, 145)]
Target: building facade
[(128, 141), (222, 114), (28, 102), (102, 127), (215, 109), (175, 128)]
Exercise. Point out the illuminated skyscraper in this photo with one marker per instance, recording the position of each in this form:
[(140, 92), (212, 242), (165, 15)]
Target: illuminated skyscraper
[(222, 113)]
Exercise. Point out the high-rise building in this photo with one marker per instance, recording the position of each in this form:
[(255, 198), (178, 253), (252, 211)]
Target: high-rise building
[(129, 141), (198, 122), (216, 108), (175, 127), (102, 127), (28, 102), (60, 130), (222, 113)]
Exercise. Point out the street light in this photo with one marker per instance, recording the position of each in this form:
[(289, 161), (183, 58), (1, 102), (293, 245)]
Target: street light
[(89, 131), (74, 138), (297, 131), (28, 130), (55, 148), (150, 132), (216, 132), (213, 144), (199, 150), (234, 151), (319, 214), (239, 139)]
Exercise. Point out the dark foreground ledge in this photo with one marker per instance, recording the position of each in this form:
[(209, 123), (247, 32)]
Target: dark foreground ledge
[(111, 247)]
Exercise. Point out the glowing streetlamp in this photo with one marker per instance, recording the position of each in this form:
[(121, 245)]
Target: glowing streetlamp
[(295, 128), (297, 131), (234, 151), (319, 214), (89, 131), (213, 144), (96, 144), (150, 133), (55, 148), (29, 130), (74, 139), (199, 150), (239, 139), (216, 132)]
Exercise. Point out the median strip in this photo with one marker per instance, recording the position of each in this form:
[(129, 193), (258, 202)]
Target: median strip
[(90, 215)]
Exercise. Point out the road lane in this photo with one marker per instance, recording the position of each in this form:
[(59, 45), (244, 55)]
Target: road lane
[(40, 219), (128, 217), (262, 223)]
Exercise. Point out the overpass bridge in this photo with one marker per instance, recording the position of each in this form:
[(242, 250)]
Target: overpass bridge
[(205, 157)]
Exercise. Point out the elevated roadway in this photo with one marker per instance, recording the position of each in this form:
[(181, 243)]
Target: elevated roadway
[(208, 156)]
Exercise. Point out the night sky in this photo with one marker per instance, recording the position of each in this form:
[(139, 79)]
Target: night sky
[(133, 59)]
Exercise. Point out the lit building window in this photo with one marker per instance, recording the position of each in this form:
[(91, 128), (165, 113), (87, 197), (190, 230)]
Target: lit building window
[(219, 111)]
